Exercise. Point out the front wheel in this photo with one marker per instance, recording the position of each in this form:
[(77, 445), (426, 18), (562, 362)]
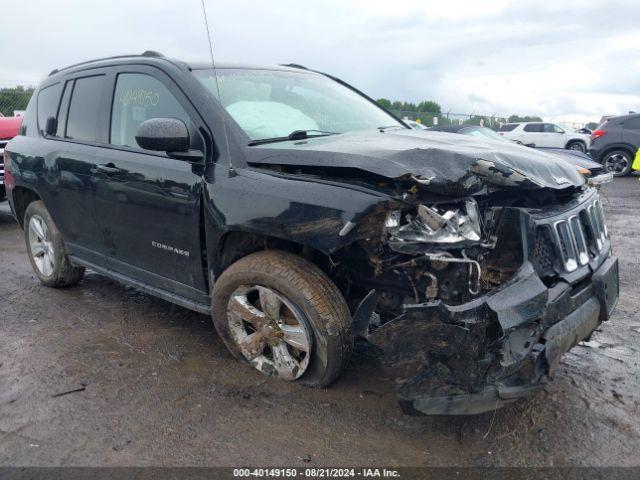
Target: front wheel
[(617, 162), (284, 316), (46, 249)]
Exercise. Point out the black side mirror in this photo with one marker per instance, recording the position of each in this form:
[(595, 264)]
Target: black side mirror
[(163, 135), (51, 126)]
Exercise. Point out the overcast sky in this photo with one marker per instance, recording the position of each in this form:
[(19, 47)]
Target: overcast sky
[(568, 60)]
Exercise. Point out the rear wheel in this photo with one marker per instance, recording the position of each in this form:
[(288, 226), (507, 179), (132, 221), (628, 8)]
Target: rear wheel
[(284, 316), (46, 249), (577, 145), (617, 162)]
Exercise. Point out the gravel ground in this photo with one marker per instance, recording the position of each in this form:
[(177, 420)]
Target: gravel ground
[(155, 386)]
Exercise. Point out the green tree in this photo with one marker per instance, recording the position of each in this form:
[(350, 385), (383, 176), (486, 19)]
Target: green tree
[(384, 103), (526, 118), (429, 106)]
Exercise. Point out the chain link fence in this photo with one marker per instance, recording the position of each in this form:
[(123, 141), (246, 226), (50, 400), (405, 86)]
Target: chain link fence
[(13, 101), (431, 119)]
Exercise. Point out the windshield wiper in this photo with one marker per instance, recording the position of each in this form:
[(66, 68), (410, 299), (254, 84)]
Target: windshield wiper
[(295, 135)]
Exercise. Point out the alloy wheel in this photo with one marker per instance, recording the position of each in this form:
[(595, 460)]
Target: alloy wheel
[(272, 334), (616, 163), (41, 246)]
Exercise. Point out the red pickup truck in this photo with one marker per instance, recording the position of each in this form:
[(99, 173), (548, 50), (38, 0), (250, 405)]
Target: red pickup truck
[(9, 128)]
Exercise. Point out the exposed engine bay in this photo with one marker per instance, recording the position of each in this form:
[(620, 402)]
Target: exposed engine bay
[(457, 293)]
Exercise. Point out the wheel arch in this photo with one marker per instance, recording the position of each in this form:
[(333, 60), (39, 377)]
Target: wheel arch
[(21, 198), (627, 148), (236, 244), (576, 140)]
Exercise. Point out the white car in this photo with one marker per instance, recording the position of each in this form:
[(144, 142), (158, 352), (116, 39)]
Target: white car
[(545, 135)]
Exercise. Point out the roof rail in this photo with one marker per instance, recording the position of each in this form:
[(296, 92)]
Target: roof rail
[(294, 65), (147, 53)]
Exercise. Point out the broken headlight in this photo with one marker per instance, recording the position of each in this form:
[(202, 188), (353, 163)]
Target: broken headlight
[(436, 224)]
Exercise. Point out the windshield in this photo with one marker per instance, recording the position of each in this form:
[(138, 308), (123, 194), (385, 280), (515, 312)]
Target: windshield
[(484, 132), (272, 104)]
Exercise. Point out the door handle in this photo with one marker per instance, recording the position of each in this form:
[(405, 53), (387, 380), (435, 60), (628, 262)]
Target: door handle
[(108, 168)]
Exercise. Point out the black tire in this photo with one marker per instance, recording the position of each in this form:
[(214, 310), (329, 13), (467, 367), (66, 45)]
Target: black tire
[(3, 193), (577, 145), (62, 272), (617, 162), (310, 291)]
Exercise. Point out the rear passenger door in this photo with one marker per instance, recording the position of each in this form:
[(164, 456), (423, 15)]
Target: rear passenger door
[(631, 132), (533, 134), (149, 204), (74, 151)]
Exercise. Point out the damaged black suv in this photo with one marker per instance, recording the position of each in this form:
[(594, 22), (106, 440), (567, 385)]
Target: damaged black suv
[(302, 216)]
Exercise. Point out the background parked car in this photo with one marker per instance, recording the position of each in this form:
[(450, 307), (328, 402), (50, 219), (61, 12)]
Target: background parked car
[(597, 173), (615, 142), (415, 125), (544, 134), (9, 128)]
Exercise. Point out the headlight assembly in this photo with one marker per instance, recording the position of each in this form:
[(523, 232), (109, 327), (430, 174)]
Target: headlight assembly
[(434, 224)]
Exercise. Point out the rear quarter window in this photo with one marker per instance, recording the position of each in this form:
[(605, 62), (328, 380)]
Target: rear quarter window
[(508, 127), (48, 100)]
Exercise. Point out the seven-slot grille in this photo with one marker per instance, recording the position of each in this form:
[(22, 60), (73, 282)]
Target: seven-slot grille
[(577, 238)]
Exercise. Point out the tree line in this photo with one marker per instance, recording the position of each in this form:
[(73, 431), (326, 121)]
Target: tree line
[(426, 110)]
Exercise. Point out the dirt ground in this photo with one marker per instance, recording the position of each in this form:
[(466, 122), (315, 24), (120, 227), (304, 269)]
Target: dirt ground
[(157, 387)]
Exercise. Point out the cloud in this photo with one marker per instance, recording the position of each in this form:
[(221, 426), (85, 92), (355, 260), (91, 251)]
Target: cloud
[(571, 58)]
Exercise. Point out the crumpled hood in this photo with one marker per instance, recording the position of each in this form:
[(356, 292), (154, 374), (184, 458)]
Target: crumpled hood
[(436, 161)]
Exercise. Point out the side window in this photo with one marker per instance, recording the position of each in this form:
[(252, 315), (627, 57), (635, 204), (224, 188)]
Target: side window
[(139, 97), (508, 127), (84, 109), (632, 123), (533, 127), (48, 99), (551, 128)]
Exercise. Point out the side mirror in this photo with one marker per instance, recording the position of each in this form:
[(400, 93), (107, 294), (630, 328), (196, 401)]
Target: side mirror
[(51, 126), (163, 135)]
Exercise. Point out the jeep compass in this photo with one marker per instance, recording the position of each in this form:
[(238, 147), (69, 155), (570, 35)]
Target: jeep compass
[(302, 216)]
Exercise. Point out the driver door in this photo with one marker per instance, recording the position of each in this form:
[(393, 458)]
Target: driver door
[(148, 204)]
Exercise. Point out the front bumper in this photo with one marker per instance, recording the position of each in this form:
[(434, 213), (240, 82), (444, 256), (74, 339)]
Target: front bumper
[(446, 365)]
